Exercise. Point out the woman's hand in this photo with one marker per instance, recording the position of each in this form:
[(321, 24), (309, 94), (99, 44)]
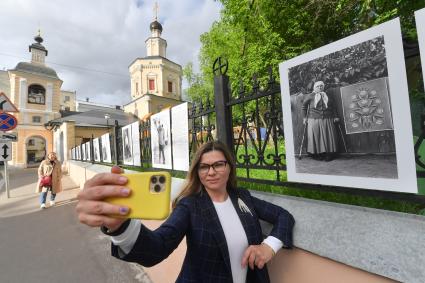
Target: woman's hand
[(92, 210), (257, 255)]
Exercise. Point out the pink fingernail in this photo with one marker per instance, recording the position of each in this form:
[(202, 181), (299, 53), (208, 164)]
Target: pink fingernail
[(123, 210), (125, 192), (122, 179)]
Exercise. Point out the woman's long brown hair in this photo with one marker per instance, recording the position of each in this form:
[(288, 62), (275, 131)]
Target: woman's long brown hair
[(193, 184)]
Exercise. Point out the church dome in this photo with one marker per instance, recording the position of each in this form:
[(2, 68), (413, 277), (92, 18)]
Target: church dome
[(36, 69), (156, 25)]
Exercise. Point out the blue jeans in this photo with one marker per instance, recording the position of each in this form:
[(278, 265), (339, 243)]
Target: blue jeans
[(43, 196)]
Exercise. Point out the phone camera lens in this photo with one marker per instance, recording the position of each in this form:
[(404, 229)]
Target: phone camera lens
[(157, 188), (162, 179), (154, 179)]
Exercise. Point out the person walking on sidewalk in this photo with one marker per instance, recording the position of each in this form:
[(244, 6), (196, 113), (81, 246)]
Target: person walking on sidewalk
[(49, 179), (221, 223)]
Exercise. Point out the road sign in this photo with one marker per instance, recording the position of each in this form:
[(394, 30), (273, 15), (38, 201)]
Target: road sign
[(7, 122), (5, 151), (5, 137), (6, 105)]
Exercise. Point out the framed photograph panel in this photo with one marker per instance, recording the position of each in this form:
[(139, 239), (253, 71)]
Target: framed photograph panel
[(160, 140), (420, 27), (180, 133), (106, 148), (346, 113), (127, 145), (78, 152), (96, 150), (88, 151), (131, 144), (135, 133)]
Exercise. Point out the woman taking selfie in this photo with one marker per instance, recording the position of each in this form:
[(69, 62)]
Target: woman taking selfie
[(221, 223)]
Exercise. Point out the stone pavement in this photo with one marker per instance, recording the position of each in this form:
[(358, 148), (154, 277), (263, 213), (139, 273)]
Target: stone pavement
[(23, 198), (50, 245)]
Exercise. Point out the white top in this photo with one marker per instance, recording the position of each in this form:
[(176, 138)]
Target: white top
[(233, 231), (236, 239)]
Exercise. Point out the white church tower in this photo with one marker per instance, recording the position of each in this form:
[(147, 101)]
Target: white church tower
[(155, 80)]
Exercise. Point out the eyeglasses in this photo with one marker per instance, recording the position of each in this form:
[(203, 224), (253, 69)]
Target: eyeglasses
[(218, 166)]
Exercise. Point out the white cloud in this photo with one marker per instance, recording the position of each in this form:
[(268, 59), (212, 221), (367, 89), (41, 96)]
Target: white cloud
[(101, 35)]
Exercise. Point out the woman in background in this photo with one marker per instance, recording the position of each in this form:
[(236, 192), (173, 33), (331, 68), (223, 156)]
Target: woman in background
[(50, 167)]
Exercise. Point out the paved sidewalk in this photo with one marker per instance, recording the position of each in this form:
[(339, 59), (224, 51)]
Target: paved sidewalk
[(50, 245), (23, 198)]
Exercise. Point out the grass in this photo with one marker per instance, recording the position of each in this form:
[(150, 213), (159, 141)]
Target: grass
[(337, 197), (316, 194)]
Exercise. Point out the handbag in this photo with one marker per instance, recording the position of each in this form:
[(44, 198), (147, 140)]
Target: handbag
[(46, 181)]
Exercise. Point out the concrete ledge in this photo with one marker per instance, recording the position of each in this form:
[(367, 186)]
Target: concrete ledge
[(387, 243)]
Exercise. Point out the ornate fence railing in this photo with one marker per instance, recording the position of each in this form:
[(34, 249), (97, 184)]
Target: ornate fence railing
[(251, 123)]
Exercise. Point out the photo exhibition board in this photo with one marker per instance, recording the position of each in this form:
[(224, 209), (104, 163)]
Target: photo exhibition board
[(160, 140), (378, 106), (83, 152), (106, 148), (180, 134), (131, 144), (96, 150), (78, 153), (420, 27), (88, 151)]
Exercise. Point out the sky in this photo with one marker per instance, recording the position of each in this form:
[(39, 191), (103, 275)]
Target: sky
[(91, 43)]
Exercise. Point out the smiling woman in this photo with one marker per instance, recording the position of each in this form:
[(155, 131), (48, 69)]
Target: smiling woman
[(221, 223)]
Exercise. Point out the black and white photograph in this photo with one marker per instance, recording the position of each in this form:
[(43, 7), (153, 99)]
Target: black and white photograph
[(127, 145), (106, 148), (131, 144), (96, 150), (180, 137), (420, 27), (135, 136), (83, 152), (88, 151), (160, 140), (347, 115)]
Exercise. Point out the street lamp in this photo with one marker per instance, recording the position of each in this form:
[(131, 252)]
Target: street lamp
[(107, 117)]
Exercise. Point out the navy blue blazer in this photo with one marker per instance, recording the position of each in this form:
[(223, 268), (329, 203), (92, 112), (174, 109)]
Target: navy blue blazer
[(207, 256)]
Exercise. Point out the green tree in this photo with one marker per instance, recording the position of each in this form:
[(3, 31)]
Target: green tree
[(198, 89), (256, 34)]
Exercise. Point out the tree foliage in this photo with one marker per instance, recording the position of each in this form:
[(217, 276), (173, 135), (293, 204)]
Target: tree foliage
[(358, 63), (198, 90), (256, 34)]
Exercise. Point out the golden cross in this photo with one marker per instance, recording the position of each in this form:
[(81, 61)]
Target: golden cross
[(156, 9)]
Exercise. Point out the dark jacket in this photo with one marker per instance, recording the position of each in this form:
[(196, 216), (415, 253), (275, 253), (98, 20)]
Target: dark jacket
[(207, 256), (320, 111)]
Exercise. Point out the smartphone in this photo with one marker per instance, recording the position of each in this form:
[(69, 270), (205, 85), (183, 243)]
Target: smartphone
[(150, 195)]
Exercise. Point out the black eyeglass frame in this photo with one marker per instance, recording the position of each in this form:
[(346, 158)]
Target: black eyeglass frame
[(204, 171)]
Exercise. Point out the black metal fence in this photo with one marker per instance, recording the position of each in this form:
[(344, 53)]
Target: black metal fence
[(250, 122)]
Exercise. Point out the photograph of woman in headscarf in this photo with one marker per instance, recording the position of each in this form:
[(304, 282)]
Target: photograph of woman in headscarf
[(319, 117)]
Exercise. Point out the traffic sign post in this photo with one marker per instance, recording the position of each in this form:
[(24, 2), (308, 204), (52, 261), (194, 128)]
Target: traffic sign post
[(7, 122), (5, 155), (6, 105), (6, 137)]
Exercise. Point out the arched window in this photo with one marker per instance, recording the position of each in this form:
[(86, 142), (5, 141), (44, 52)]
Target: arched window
[(36, 94)]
